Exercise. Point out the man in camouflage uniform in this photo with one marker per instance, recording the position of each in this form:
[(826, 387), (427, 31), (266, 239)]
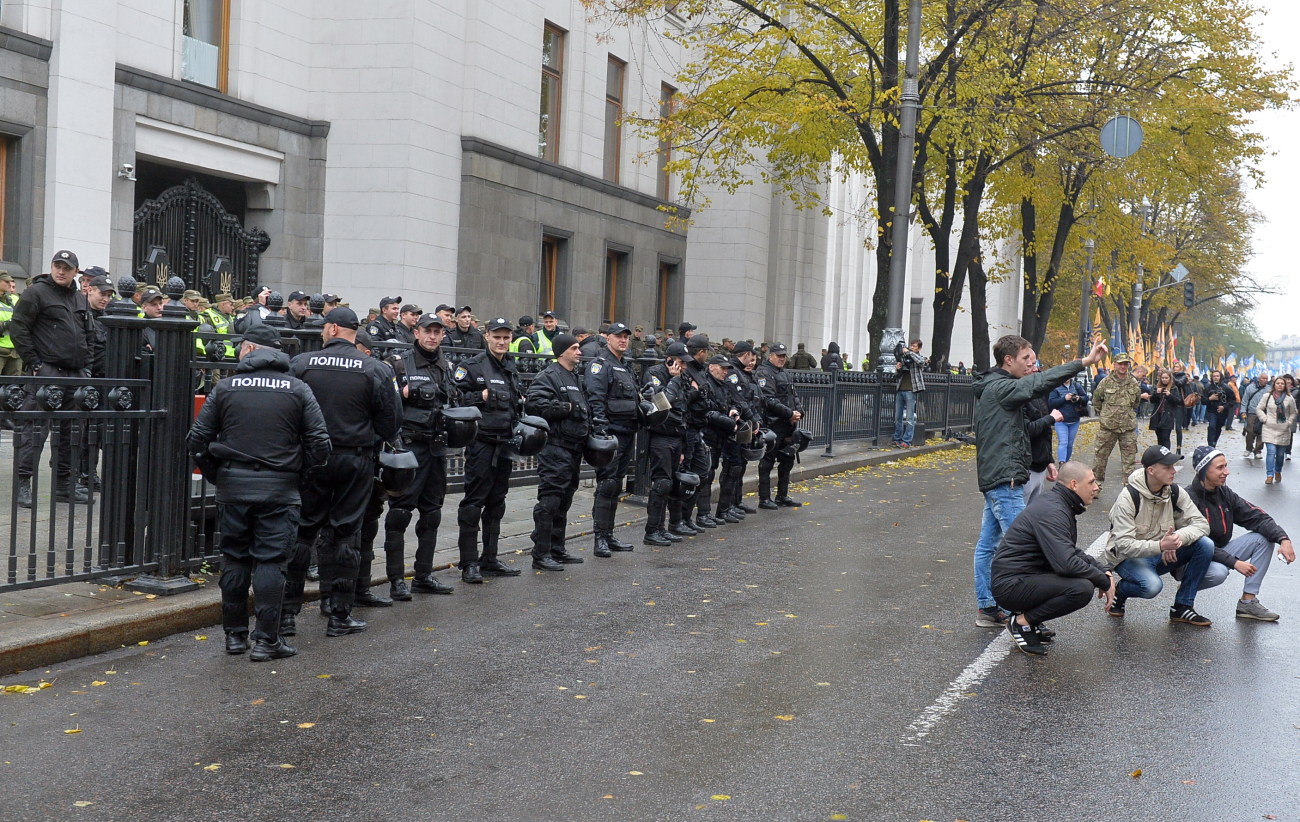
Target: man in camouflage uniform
[(1115, 402)]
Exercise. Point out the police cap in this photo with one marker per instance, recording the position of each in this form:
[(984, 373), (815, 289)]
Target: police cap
[(343, 317), (262, 334)]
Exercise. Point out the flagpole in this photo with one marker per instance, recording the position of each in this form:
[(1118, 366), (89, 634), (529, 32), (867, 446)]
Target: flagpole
[(1084, 327)]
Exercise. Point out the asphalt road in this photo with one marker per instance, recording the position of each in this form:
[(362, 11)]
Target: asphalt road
[(814, 664)]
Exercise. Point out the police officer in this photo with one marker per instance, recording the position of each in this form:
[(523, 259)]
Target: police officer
[(725, 412), (99, 293), (695, 451), (612, 392), (556, 396), (360, 405), (466, 333), (424, 378), (256, 433), (407, 317), (11, 365), (546, 334), (667, 436), (384, 327), (731, 480), (782, 411), (489, 380)]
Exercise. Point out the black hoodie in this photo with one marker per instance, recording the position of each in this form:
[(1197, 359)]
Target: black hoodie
[(52, 325), (1223, 509)]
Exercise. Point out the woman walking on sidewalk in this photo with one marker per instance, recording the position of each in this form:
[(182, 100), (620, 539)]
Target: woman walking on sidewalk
[(1166, 404), (1277, 412)]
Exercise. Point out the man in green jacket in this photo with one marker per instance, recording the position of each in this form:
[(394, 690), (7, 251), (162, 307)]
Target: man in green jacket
[(1002, 449), (1115, 401)]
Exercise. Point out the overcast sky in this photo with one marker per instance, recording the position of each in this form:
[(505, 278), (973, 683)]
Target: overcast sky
[(1275, 245)]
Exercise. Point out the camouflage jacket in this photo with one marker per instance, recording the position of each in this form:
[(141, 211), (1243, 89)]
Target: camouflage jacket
[(1116, 402)]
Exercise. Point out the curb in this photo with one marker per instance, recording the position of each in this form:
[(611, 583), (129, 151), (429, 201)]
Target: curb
[(113, 627)]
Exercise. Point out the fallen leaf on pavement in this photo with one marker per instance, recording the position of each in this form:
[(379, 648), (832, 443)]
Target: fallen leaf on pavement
[(1136, 774), (784, 717), (73, 731), (306, 724)]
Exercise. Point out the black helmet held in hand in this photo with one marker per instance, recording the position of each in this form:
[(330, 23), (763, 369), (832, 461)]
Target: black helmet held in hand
[(460, 425), (803, 438), (529, 436), (396, 469), (599, 450), (687, 483)]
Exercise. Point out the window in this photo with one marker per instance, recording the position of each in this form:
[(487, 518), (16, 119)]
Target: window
[(666, 296), (616, 273), (548, 130), (205, 42), (614, 74), (914, 323), (665, 180)]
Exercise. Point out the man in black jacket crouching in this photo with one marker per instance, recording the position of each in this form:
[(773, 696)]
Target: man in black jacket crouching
[(1039, 572)]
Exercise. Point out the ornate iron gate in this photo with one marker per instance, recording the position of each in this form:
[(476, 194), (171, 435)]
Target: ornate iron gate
[(205, 245)]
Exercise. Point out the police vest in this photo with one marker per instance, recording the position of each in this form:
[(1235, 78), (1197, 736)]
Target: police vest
[(514, 344), (220, 324), (6, 314)]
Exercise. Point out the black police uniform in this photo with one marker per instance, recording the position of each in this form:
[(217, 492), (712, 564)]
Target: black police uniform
[(488, 461), (471, 339), (612, 392), (381, 329), (359, 401), (667, 438), (731, 480), (403, 332), (258, 430), (426, 377), (722, 397), (556, 396), (695, 451), (780, 402)]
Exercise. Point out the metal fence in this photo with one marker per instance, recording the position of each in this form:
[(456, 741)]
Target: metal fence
[(152, 519)]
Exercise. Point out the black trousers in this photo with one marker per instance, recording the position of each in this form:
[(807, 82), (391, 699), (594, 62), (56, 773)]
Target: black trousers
[(1041, 597), (780, 454), (255, 542), (487, 481), (697, 459), (31, 436), (366, 539), (334, 501), (558, 469), (665, 456), (609, 481), (425, 495)]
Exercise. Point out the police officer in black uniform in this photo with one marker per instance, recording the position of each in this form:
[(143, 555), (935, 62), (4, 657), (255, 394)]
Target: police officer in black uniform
[(424, 378), (466, 334), (556, 396), (667, 436), (258, 430), (491, 381), (782, 411), (732, 478), (727, 410), (612, 392), (358, 398), (384, 327), (695, 451)]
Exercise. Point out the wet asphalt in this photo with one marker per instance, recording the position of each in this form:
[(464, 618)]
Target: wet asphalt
[(803, 665)]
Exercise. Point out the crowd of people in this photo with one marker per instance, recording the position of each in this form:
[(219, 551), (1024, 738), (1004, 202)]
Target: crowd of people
[(1029, 568)]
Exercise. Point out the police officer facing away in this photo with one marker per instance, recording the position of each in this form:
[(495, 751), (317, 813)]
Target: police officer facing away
[(612, 391), (489, 380), (360, 405), (782, 411), (557, 397), (424, 378), (666, 440), (255, 435)]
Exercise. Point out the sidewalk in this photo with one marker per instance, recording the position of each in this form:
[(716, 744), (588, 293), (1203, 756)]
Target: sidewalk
[(42, 626)]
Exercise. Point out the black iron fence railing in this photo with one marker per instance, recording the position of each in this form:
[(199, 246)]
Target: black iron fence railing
[(120, 500)]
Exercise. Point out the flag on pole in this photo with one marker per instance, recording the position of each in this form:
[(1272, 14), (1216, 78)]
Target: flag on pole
[(1099, 288), (1191, 349)]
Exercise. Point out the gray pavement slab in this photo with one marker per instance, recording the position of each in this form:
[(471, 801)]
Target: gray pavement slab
[(774, 670)]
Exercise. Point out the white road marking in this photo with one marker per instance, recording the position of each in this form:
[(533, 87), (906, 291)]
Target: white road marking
[(973, 675)]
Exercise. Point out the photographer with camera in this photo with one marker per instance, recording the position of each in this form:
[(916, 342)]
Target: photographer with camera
[(1072, 401), (910, 367)]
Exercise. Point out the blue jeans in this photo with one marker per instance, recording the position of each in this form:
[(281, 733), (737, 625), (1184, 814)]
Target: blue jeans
[(1002, 504), (904, 416), (1274, 458), (1065, 434), (1140, 577)]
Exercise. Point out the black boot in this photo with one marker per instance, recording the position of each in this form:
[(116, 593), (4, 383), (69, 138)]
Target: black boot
[(263, 650), (428, 584), (470, 573), (616, 544), (682, 529), (288, 624), (25, 493), (346, 624), (398, 591), (364, 596), (236, 642), (671, 537), (768, 505), (601, 548), (656, 538)]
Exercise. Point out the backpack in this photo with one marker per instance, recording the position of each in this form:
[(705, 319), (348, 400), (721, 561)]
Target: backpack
[(1137, 497)]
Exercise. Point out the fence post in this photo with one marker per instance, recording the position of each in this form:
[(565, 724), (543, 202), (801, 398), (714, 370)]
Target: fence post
[(832, 411), (875, 407), (947, 406), (168, 476)]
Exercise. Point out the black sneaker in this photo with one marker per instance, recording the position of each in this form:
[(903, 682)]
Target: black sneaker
[(991, 617), (1116, 608), (1026, 639), (1187, 615)]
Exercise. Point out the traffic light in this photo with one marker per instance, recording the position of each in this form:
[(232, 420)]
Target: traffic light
[(1189, 293)]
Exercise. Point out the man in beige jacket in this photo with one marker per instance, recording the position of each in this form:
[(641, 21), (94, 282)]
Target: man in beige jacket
[(1155, 529)]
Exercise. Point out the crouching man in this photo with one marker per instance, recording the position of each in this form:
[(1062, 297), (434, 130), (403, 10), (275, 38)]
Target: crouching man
[(1248, 554), (1156, 529), (1039, 572)]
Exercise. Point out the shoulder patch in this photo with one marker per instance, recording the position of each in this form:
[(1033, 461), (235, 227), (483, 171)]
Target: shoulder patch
[(372, 330), (762, 381), (460, 372), (734, 379), (596, 367), (655, 380)]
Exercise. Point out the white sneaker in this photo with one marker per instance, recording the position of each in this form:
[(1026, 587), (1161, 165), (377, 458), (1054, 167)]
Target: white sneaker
[(1254, 609)]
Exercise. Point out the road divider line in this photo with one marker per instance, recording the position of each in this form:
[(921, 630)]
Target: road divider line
[(973, 675)]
